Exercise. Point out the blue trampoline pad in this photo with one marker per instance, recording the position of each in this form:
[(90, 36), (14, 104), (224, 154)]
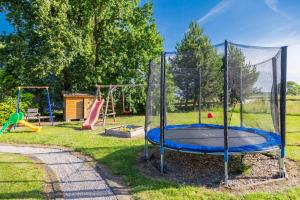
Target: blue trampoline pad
[(209, 138)]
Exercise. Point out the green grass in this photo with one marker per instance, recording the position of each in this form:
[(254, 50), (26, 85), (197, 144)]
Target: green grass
[(20, 178), (120, 155)]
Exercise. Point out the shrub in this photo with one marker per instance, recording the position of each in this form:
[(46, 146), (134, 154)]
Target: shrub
[(8, 107)]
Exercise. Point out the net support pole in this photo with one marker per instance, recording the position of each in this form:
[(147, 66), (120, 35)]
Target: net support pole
[(241, 97), (275, 115), (148, 112), (226, 112), (49, 107), (18, 101), (199, 98), (283, 110), (162, 112)]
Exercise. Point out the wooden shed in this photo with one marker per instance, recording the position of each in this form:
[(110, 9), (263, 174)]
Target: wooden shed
[(77, 106)]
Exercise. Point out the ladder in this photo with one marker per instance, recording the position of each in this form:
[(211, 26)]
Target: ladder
[(109, 108)]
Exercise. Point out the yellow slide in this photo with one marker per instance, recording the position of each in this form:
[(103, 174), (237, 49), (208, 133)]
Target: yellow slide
[(29, 125)]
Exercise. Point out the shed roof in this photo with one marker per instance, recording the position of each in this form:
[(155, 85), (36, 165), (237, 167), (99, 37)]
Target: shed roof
[(77, 94)]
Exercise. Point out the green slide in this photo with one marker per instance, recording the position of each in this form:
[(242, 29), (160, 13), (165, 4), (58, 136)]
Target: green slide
[(13, 120)]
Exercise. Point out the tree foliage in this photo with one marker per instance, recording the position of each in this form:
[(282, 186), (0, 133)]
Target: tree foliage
[(198, 66), (241, 76), (293, 88), (199, 71), (75, 44)]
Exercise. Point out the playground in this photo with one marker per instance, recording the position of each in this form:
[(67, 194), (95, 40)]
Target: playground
[(103, 148), (149, 100), (237, 145)]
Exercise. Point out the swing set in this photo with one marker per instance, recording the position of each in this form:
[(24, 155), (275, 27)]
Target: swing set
[(48, 100), (109, 108)]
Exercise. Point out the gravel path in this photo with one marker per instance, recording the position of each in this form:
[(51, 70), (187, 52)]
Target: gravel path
[(77, 179)]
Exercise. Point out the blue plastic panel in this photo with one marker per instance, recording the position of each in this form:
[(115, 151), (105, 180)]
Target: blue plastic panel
[(273, 140)]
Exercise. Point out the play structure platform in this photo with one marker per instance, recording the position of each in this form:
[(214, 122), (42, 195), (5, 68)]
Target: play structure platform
[(17, 119)]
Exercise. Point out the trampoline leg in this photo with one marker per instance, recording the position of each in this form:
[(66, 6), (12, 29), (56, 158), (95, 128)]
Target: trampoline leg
[(146, 154), (242, 158), (161, 160), (282, 168), (226, 167), (282, 171), (226, 173)]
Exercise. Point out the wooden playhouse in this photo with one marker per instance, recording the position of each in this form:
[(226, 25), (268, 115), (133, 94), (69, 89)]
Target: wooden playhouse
[(77, 106)]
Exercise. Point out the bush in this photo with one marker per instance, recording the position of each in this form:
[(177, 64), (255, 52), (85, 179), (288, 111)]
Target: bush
[(8, 107)]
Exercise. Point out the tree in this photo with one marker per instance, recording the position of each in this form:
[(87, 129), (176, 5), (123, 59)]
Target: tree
[(43, 43), (293, 88), (197, 61), (241, 76), (75, 44)]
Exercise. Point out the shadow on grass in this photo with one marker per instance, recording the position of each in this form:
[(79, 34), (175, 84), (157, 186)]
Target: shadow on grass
[(18, 132), (124, 161), (33, 194), (74, 126), (22, 181), (293, 145)]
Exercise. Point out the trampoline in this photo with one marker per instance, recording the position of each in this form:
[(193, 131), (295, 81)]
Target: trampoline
[(209, 138), (241, 86)]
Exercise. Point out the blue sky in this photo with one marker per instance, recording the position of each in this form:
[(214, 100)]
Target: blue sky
[(253, 22)]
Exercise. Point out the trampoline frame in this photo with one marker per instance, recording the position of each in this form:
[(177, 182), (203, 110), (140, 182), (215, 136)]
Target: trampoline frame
[(215, 152), (226, 153)]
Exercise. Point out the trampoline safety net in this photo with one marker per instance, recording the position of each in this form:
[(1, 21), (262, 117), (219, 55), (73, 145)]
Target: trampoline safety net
[(187, 87)]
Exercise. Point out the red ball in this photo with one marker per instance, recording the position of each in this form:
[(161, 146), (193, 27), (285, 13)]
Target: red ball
[(210, 115)]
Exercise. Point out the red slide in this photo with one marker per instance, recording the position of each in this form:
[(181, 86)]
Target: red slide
[(94, 115)]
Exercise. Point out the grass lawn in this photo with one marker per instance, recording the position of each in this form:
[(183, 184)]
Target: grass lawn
[(20, 178), (120, 156)]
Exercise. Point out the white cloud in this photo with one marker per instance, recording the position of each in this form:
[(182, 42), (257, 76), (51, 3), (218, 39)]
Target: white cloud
[(220, 7), (287, 33), (273, 5)]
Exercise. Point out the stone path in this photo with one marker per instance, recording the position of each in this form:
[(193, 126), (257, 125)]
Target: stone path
[(76, 178)]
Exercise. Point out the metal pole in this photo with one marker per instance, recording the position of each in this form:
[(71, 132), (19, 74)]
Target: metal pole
[(123, 100), (199, 98), (226, 112), (106, 106), (18, 101), (49, 107), (275, 96), (283, 109), (148, 111), (122, 86), (241, 97), (164, 95), (162, 112)]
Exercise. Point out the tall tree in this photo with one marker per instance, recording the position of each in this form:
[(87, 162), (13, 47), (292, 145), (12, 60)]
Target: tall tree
[(241, 76), (43, 43), (293, 88), (198, 66), (74, 44)]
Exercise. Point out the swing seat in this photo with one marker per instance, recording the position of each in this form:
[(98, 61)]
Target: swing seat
[(126, 112)]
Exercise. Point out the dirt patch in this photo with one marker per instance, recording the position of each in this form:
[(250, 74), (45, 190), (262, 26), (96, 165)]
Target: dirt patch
[(257, 172)]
